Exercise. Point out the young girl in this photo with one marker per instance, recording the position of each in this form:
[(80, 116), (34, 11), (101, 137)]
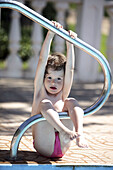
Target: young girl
[(52, 85)]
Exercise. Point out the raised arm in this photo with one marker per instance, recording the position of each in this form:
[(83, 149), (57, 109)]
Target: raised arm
[(43, 58), (42, 62), (69, 71)]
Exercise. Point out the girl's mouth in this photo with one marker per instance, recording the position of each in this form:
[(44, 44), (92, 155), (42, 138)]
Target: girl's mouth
[(53, 88)]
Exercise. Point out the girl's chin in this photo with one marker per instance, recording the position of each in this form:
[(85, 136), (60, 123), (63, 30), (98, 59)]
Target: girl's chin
[(53, 92)]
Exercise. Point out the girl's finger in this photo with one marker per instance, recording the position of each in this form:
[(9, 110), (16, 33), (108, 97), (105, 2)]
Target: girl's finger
[(72, 34)]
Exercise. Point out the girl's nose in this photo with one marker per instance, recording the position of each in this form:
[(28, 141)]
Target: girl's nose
[(53, 81)]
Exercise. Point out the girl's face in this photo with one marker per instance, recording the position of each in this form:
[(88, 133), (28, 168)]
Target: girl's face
[(54, 81)]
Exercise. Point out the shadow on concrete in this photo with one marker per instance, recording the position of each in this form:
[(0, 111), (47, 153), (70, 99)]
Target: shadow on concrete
[(24, 157)]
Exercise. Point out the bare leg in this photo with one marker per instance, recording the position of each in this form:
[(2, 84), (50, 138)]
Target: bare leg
[(43, 131), (48, 111), (76, 115)]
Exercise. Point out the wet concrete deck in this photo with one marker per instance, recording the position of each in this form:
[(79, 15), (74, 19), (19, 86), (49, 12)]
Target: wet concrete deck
[(15, 106)]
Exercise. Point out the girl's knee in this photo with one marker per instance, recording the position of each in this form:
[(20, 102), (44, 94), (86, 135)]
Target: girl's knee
[(45, 105), (46, 101), (71, 103)]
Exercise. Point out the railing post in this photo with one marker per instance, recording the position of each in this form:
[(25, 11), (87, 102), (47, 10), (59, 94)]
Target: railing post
[(89, 20), (13, 62), (110, 39), (61, 8), (37, 37)]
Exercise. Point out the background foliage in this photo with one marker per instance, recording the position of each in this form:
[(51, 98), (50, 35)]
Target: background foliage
[(25, 51)]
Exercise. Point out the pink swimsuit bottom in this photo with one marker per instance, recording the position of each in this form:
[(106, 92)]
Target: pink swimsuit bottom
[(57, 147), (57, 153)]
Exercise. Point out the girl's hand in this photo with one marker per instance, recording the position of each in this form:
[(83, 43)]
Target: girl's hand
[(72, 34), (57, 25)]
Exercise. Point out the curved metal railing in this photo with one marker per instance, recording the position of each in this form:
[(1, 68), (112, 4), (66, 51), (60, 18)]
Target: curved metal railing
[(22, 129), (78, 43)]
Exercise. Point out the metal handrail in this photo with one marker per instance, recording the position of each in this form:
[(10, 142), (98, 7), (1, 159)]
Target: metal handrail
[(78, 43), (22, 129)]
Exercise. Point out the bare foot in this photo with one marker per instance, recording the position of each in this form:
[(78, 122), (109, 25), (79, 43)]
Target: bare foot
[(81, 142), (68, 136), (66, 140)]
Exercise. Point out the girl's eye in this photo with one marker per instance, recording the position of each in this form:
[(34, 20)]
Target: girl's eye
[(59, 79), (49, 78)]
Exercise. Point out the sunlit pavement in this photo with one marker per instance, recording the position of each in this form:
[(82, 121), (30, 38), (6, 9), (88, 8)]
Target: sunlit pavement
[(15, 106)]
